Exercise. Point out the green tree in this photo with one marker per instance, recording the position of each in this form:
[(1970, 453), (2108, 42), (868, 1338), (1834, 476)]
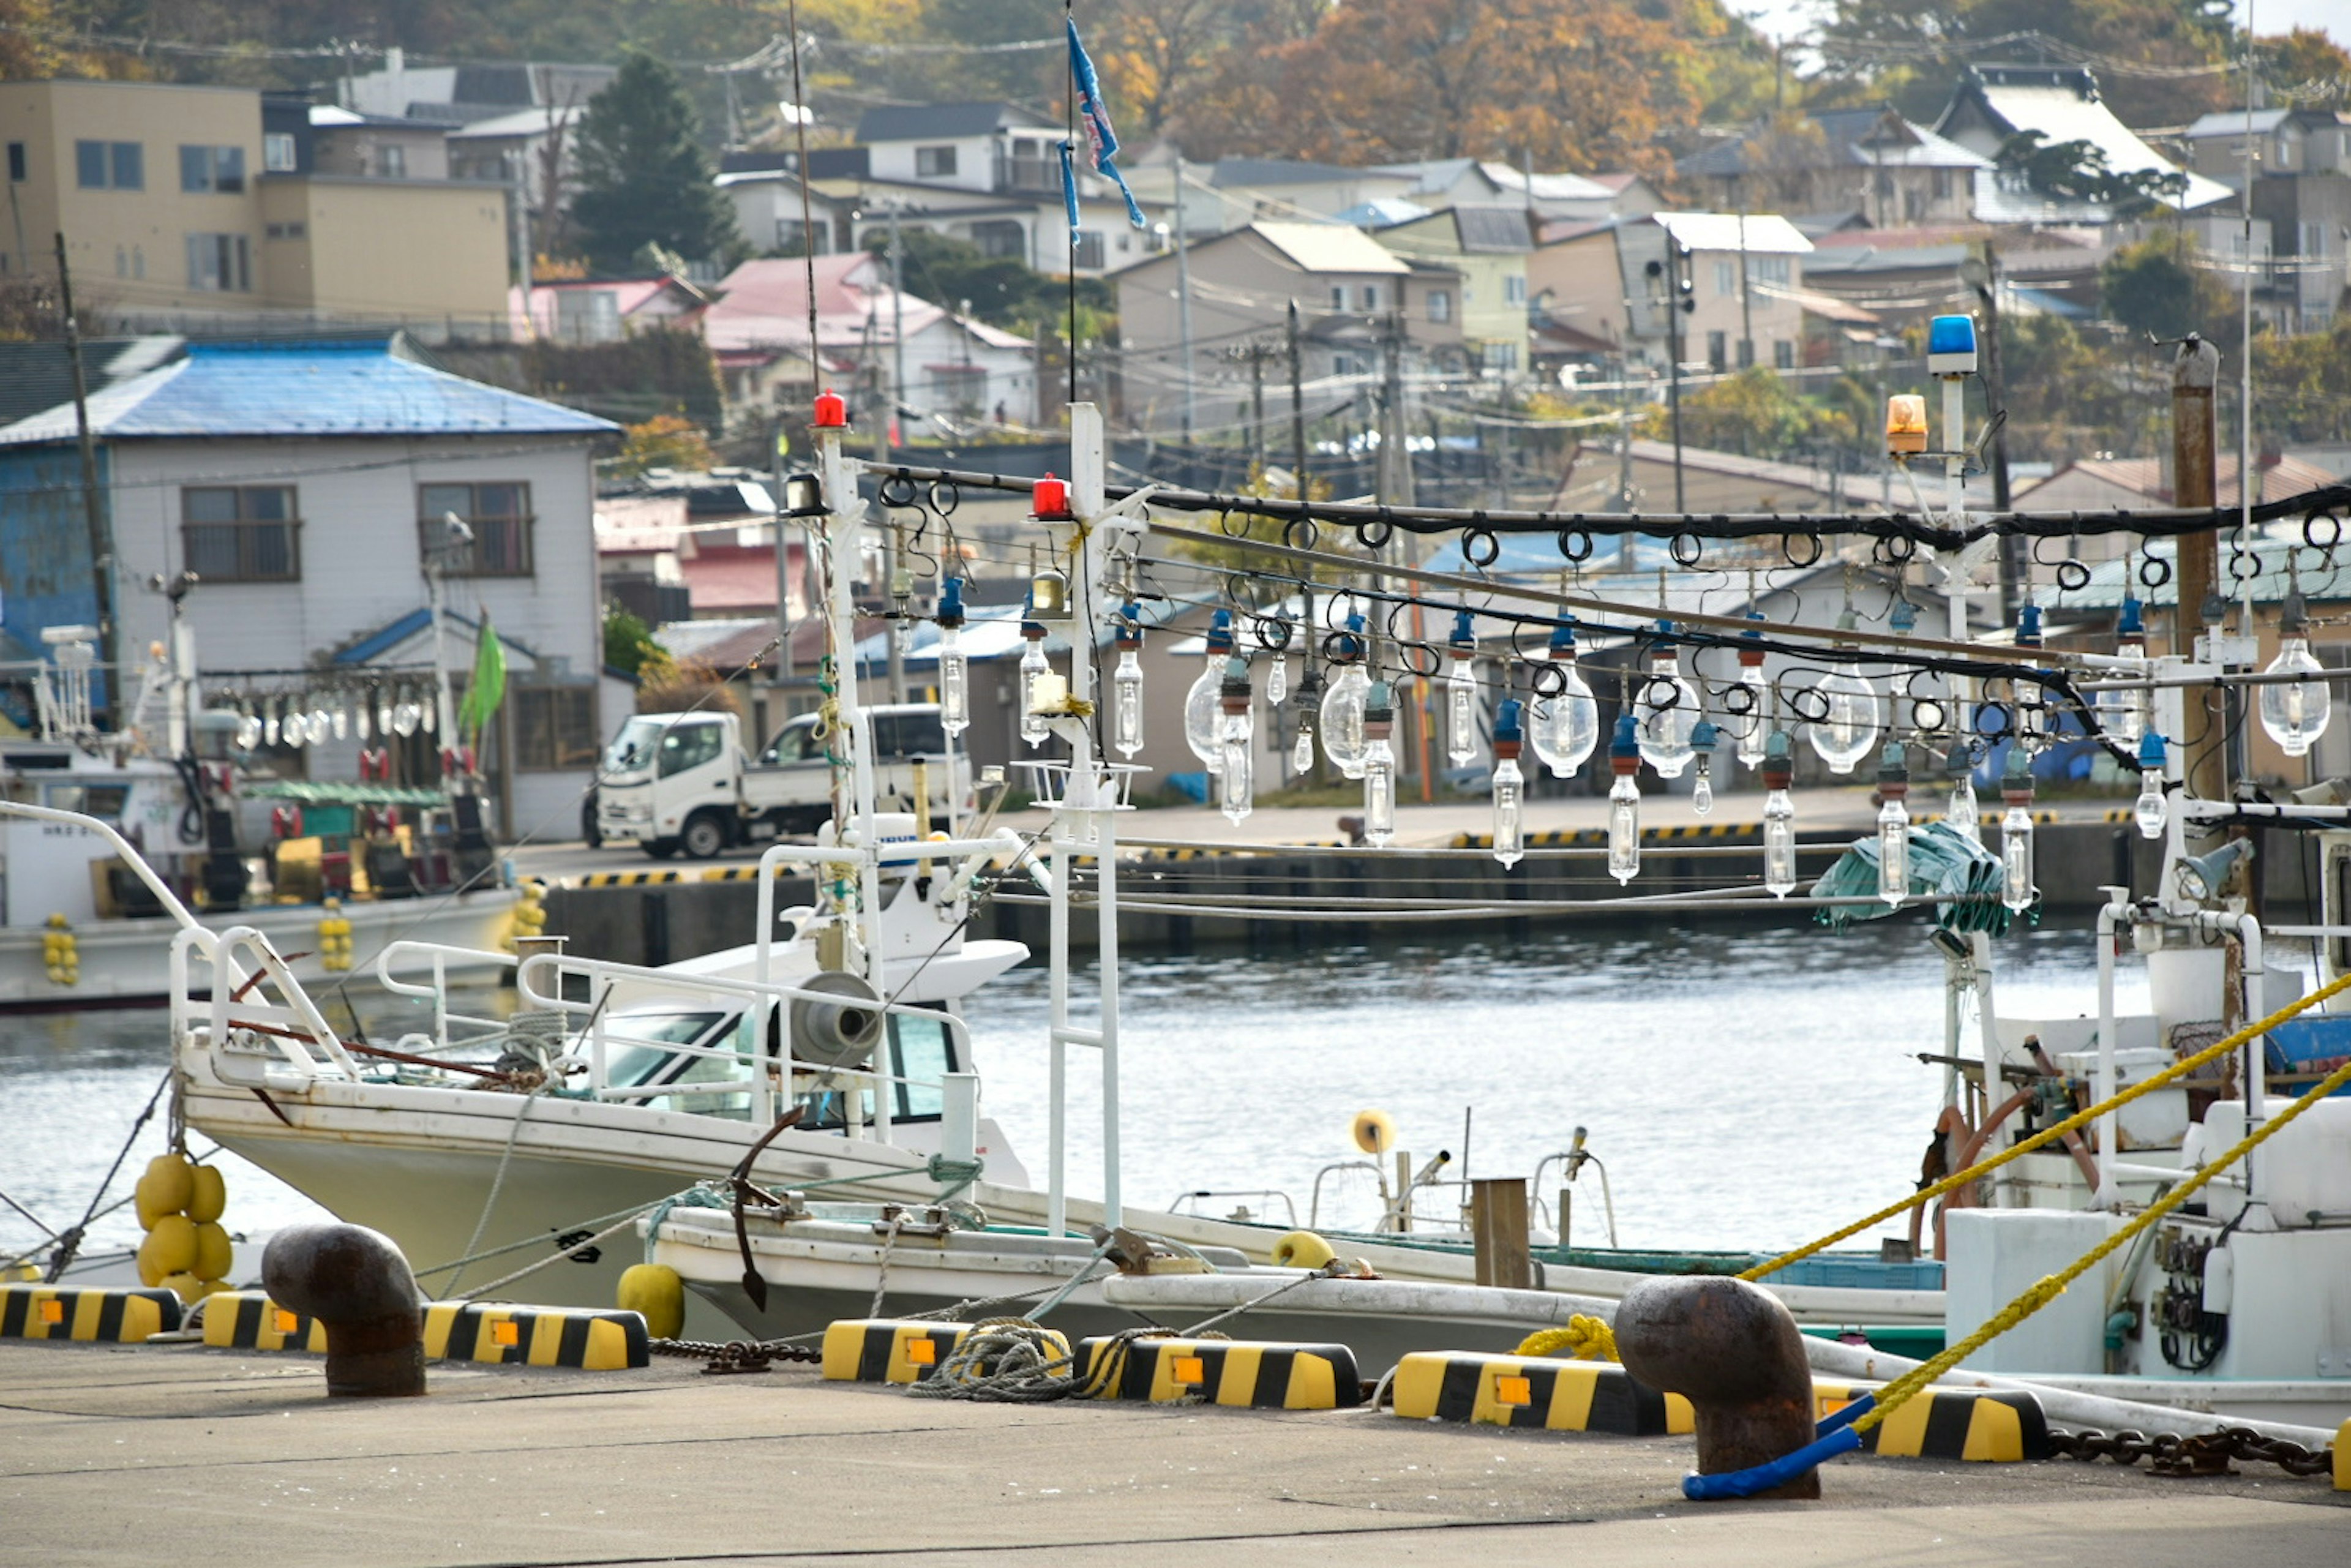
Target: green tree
[(628, 643), (1755, 411), (644, 178), (1003, 291), (2154, 288)]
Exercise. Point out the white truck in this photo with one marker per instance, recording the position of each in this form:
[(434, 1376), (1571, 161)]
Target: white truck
[(683, 782)]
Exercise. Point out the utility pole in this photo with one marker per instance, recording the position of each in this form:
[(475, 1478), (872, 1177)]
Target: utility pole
[(1183, 308), (1985, 276), (1745, 292), (1297, 406), (2195, 435), (94, 511), (783, 665), (897, 323), (1678, 296)]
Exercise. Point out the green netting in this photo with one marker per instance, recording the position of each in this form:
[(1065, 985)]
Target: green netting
[(1945, 863)]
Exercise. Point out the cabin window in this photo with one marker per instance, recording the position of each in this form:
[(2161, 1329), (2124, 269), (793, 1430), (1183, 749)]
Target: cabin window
[(499, 517), (918, 1043), (241, 533), (935, 163)]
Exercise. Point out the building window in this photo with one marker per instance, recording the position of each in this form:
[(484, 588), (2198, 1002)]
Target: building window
[(392, 162), (1784, 355), (1726, 278), (15, 163), (553, 727), (277, 152), (1000, 239), (1338, 297), (218, 169), (294, 230), (1771, 269), (791, 238), (1514, 289), (1088, 252), (240, 533), (935, 163), (1746, 352), (1939, 181), (219, 264), (109, 166), (1499, 357), (1440, 305), (1718, 350), (499, 517), (588, 316), (1368, 296)]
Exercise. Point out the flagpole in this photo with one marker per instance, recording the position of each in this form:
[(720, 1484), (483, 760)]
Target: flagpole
[(1070, 132)]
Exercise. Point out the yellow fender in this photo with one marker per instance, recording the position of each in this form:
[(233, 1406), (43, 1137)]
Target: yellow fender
[(1302, 1250), (169, 1248), (61, 952), (656, 1293), (1374, 1132), (168, 1187), (208, 1194), (334, 937)]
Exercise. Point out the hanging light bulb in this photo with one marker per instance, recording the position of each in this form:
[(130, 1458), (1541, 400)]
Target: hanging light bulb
[(361, 717), (383, 706), (321, 725), (1778, 816), (1756, 722), (2031, 720), (269, 728), (1379, 764), (1509, 785), (342, 719), (955, 664), (2296, 713), (1277, 674), (1201, 704), (1342, 704), (428, 716), (2017, 891), (2151, 807), (1668, 709), (1704, 739), (1566, 728), (1308, 705), (248, 730), (1126, 684), (2122, 713), (1033, 669), (405, 717), (1894, 823), (1461, 693), (1625, 800), (1236, 734), (1845, 733), (1961, 816)]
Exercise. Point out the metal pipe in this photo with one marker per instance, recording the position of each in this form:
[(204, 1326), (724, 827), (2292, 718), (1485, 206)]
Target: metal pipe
[(2116, 908), (131, 857)]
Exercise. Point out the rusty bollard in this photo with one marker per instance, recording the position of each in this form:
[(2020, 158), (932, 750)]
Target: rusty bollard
[(357, 1285), (1733, 1352)]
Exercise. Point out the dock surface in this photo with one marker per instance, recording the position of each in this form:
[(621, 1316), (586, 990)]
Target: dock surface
[(180, 1454)]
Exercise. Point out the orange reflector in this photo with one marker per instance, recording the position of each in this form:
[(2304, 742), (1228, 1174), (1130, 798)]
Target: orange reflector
[(1191, 1369), (288, 1322), (53, 1311), (507, 1332), (1509, 1390), (922, 1353)]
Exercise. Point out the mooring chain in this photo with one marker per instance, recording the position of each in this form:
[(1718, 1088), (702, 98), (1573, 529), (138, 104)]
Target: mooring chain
[(2202, 1453), (735, 1355)]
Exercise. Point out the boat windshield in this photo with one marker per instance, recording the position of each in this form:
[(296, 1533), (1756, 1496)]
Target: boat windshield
[(643, 1061)]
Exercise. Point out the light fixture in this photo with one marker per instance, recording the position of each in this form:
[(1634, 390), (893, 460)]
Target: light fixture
[(1202, 704), (1625, 800), (1461, 693), (1509, 785), (2296, 713), (832, 412), (1962, 815), (1566, 728), (2016, 889), (2029, 721), (1668, 708), (1235, 735), (954, 673), (1276, 674), (2201, 878), (1906, 424), (1894, 823), (1951, 347), (1778, 816), (1756, 722), (1704, 739), (1342, 704), (1033, 670), (1126, 684), (804, 496), (1847, 728), (1309, 703), (2151, 807), (2123, 712), (1049, 500), (1379, 764)]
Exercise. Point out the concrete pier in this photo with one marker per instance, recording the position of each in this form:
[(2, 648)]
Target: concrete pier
[(180, 1454)]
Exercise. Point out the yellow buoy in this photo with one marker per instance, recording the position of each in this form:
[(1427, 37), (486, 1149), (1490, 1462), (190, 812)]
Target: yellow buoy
[(1301, 1250), (208, 1194), (1374, 1132), (215, 1256), (166, 1188), (188, 1286), (655, 1291), (170, 1248)]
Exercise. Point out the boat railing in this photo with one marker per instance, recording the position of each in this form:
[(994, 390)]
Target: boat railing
[(253, 1002), (769, 1078), (436, 958), (1190, 1202)]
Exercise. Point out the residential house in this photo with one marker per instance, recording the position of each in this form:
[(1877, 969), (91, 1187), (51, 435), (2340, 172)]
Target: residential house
[(770, 216), (2302, 191), (1285, 190), (1742, 272), (957, 368), (1994, 103), (1575, 291), (605, 309), (328, 139), (1868, 161), (1487, 248), (306, 485), (1345, 284), (177, 214), (638, 540), (1630, 194), (1472, 182), (463, 94)]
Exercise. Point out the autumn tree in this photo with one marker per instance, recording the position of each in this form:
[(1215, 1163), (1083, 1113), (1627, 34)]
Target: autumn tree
[(664, 441), (2306, 66), (2154, 288)]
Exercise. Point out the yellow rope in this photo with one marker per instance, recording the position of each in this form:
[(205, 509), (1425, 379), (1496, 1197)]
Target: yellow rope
[(2048, 1289), (2177, 1069), (1583, 1338)]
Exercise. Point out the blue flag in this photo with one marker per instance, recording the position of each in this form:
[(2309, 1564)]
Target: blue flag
[(1102, 138)]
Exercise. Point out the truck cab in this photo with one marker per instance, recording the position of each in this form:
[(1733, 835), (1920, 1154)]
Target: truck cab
[(683, 782)]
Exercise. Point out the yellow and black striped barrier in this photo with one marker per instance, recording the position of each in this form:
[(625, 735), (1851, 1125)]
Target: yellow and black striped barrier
[(899, 1350), (61, 1312), (1535, 1391), (629, 878), (535, 1336), (750, 873), (1972, 1425), (248, 1320), (1252, 1373)]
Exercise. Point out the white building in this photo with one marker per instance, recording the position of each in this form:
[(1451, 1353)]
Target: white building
[(302, 483)]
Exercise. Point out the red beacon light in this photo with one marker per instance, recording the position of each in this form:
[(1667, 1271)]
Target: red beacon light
[(832, 412), (1050, 499)]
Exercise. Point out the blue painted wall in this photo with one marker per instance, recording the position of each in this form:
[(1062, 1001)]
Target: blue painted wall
[(45, 567)]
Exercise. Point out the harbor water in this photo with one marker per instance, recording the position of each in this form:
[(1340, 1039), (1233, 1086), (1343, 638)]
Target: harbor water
[(1745, 1086)]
